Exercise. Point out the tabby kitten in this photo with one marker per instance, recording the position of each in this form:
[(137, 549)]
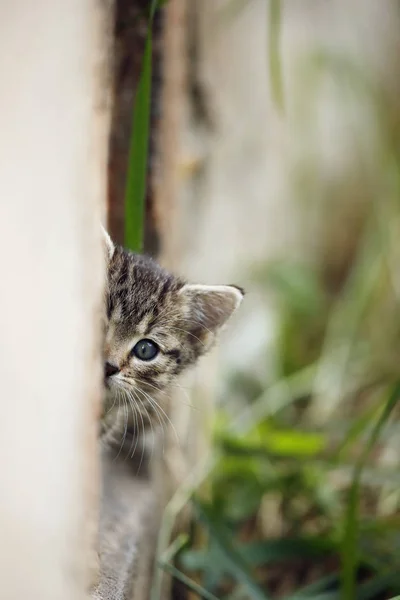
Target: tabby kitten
[(156, 326)]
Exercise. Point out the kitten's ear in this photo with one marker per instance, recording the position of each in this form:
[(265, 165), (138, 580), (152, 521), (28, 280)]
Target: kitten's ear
[(107, 243), (210, 307)]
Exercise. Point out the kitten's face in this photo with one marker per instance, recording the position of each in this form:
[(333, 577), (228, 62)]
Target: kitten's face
[(156, 326)]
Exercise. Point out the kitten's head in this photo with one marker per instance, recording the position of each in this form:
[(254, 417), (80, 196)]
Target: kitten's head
[(157, 325)]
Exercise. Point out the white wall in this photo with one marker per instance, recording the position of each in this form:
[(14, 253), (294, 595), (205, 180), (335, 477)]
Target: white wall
[(51, 189)]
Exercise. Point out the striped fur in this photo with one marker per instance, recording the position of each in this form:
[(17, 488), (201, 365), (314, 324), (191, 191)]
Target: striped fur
[(144, 301)]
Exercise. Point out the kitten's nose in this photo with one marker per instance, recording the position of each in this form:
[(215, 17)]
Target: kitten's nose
[(110, 369)]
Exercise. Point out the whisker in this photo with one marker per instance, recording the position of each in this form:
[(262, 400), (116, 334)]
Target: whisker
[(134, 399), (113, 427), (125, 428), (110, 409), (150, 422), (144, 440), (132, 404), (155, 404), (138, 390), (185, 391), (177, 385), (135, 437)]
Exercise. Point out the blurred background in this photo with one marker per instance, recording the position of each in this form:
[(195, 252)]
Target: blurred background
[(265, 152)]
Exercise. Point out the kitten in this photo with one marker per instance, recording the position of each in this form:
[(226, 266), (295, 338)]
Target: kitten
[(156, 326)]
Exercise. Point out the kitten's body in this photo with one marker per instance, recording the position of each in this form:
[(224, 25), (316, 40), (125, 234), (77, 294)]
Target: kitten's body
[(143, 301), (179, 321)]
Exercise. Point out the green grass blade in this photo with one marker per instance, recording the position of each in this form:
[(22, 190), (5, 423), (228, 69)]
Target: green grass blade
[(266, 552), (270, 551), (317, 587), (324, 596), (174, 548), (189, 583), (356, 430), (275, 398), (238, 567), (285, 443), (349, 546), (135, 190), (164, 563)]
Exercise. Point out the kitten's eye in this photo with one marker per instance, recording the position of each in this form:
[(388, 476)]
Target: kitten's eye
[(145, 350)]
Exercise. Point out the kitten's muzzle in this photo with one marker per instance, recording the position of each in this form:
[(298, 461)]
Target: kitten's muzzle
[(110, 370)]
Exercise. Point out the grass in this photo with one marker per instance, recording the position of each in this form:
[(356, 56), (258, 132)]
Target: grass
[(135, 188), (320, 483)]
